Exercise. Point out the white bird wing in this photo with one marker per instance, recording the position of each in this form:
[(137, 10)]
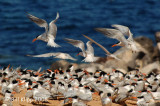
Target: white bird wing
[(125, 30), (44, 55), (39, 69), (97, 44), (52, 27), (76, 43), (64, 56), (90, 49), (112, 33), (38, 21), (108, 53)]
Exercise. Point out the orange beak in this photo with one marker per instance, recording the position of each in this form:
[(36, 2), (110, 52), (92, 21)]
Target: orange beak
[(30, 89), (86, 72), (18, 79), (96, 93), (113, 70), (34, 82), (139, 91), (76, 86), (49, 70), (56, 71), (70, 98), (135, 79), (21, 83), (85, 86), (47, 81), (149, 91), (134, 97), (71, 79), (13, 92), (37, 73), (114, 84), (144, 74), (114, 45), (105, 80), (6, 78), (34, 39), (8, 66), (29, 70), (40, 75)]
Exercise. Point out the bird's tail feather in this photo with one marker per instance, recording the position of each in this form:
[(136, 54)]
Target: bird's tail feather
[(53, 44)]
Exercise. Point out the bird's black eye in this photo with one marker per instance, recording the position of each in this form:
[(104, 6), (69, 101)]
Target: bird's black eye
[(108, 94), (3, 80), (36, 86), (7, 91), (150, 86), (75, 97), (14, 81), (80, 85), (40, 82), (0, 74), (4, 74), (128, 77), (52, 82), (100, 92), (98, 82), (69, 85), (68, 70)]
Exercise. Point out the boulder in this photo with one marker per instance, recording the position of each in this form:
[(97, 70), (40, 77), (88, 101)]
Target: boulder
[(60, 64), (146, 43), (156, 54), (155, 66), (129, 59)]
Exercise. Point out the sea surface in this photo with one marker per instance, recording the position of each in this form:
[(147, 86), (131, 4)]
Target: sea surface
[(77, 17)]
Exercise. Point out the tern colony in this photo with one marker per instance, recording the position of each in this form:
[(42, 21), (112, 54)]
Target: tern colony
[(51, 30), (79, 86)]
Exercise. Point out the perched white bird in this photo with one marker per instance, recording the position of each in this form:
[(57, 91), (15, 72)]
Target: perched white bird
[(50, 31)]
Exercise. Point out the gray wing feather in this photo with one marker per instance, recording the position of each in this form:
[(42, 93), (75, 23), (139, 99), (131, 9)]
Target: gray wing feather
[(38, 21), (97, 44), (90, 49), (76, 43), (44, 55), (52, 27), (125, 30), (112, 33)]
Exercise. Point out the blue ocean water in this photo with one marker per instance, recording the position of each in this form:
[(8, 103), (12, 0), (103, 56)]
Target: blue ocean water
[(77, 17)]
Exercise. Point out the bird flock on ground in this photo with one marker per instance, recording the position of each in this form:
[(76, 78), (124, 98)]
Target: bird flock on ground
[(79, 85), (49, 36)]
